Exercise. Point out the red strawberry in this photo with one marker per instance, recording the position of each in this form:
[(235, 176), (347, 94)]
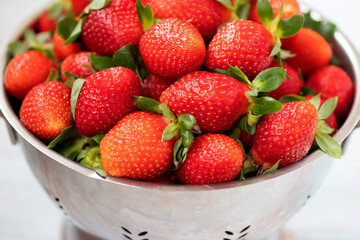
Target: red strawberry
[(153, 87), (241, 43), (332, 81), (286, 135), (215, 100), (311, 51), (45, 23), (75, 64), (212, 158), (172, 48), (79, 5), (107, 30), (25, 71), (46, 110), (104, 99), (290, 8), (289, 86), (246, 139), (61, 50), (205, 15), (134, 149)]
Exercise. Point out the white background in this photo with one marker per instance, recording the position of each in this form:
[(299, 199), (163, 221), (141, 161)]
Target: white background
[(332, 214)]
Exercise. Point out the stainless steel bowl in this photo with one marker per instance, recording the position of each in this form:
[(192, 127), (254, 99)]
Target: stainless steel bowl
[(116, 208)]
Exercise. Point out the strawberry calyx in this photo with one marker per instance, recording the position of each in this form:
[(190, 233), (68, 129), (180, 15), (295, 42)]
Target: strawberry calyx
[(146, 15), (70, 29), (252, 168), (182, 127), (239, 8)]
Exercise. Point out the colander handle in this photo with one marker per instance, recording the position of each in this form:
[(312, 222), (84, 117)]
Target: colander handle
[(11, 131)]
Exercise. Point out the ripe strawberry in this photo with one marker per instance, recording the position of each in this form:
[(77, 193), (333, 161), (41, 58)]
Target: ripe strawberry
[(290, 8), (215, 100), (25, 71), (104, 99), (61, 50), (241, 43), (172, 48), (153, 87), (205, 15), (333, 81), (212, 158), (107, 30), (286, 135), (134, 149), (45, 23), (289, 86), (331, 120), (75, 64), (246, 139), (79, 5), (311, 51), (46, 110)]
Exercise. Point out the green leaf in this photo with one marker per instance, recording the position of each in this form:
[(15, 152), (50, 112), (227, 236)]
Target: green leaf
[(55, 10), (95, 140), (101, 172), (327, 108), (273, 168), (265, 12), (16, 48), (94, 5), (65, 134), (253, 119), (101, 62), (244, 125), (323, 127), (269, 79), (145, 14), (240, 75), (124, 57), (187, 138), (186, 122), (305, 91), (66, 26), (323, 27), (252, 93), (316, 100), (264, 105), (227, 73), (179, 153), (250, 167), (166, 112), (291, 98), (276, 49), (71, 76), (75, 92), (242, 9), (288, 27), (226, 3), (75, 33), (328, 145), (147, 104), (172, 130)]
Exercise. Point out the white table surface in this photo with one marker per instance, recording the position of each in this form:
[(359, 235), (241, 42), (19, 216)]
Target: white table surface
[(333, 213)]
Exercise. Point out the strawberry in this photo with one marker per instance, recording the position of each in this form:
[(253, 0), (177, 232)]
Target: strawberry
[(311, 51), (212, 158), (241, 43), (26, 70), (290, 8), (46, 110), (331, 81), (172, 48), (61, 51), (205, 15), (133, 147), (153, 87), (108, 29), (215, 100), (79, 5), (45, 23), (75, 64), (104, 99), (289, 86), (286, 135)]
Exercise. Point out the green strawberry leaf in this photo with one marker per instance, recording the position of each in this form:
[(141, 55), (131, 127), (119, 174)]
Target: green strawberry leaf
[(291, 98), (253, 119), (264, 105), (240, 75), (250, 167), (172, 130), (66, 26), (276, 49), (101, 62), (244, 125), (166, 112), (147, 104), (272, 169), (65, 134), (327, 108), (75, 92), (75, 33), (94, 5), (252, 93), (226, 3), (55, 10), (186, 122), (242, 9), (323, 127), (16, 48), (269, 79), (316, 101), (305, 91), (90, 158), (145, 14), (187, 138), (328, 145), (95, 140), (101, 172), (124, 57), (179, 154), (288, 27), (53, 75), (71, 76), (265, 12), (323, 27)]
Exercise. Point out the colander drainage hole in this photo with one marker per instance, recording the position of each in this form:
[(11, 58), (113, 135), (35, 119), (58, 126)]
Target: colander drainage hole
[(240, 236), (57, 200), (129, 235)]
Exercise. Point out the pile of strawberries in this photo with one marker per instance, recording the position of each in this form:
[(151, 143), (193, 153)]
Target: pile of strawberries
[(180, 91)]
